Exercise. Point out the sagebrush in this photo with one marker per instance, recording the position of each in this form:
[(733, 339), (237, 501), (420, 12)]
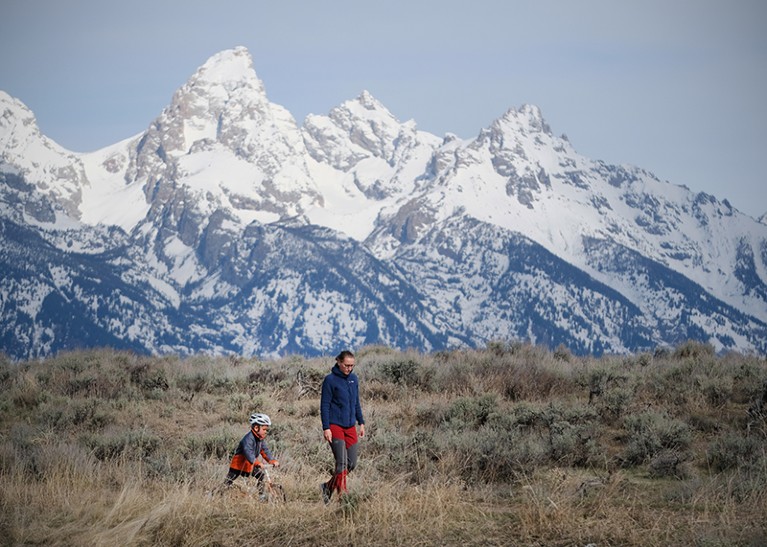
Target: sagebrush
[(508, 445)]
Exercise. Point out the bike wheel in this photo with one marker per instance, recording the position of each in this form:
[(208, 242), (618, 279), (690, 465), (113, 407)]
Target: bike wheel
[(276, 493)]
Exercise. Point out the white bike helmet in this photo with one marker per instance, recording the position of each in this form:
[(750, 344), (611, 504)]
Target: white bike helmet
[(259, 419)]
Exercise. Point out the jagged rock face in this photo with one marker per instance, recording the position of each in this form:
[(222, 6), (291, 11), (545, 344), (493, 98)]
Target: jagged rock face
[(219, 156), (27, 155), (224, 227), (363, 139)]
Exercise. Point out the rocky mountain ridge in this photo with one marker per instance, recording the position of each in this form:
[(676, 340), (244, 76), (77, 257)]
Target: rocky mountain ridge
[(226, 227)]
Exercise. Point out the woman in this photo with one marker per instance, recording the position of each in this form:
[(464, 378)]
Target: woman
[(340, 411)]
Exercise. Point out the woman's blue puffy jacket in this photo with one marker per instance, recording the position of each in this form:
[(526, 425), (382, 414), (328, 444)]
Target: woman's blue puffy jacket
[(340, 402)]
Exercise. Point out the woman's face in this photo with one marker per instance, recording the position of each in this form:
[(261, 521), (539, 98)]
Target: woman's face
[(346, 365)]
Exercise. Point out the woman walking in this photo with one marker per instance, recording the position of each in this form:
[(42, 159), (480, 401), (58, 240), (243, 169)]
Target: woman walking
[(340, 411)]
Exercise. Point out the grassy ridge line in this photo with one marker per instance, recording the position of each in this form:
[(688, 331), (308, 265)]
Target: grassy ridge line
[(511, 444)]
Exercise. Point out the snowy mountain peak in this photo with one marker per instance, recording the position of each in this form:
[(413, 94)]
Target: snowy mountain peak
[(17, 124), (230, 68), (224, 106), (220, 157), (355, 130), (55, 172), (13, 110), (526, 119), (369, 102), (220, 102), (365, 108), (18, 128)]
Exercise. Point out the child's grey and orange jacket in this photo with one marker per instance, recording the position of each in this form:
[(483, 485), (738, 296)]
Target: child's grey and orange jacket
[(247, 451)]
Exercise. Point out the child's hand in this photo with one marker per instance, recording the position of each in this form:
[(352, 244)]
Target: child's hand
[(275, 463)]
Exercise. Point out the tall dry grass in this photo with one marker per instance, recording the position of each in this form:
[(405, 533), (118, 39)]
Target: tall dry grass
[(509, 445)]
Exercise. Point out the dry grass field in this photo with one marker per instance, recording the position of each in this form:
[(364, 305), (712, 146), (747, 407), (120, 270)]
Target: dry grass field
[(508, 445)]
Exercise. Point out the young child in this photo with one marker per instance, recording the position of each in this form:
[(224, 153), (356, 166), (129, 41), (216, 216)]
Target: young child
[(252, 445)]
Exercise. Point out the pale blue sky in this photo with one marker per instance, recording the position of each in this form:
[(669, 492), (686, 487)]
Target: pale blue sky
[(675, 86)]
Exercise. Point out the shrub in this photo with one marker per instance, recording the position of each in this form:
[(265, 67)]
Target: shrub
[(413, 456), (749, 382), (732, 451), (717, 390), (378, 390), (526, 415), (27, 394), (430, 414), (374, 350), (63, 413), (562, 353), (613, 404), (694, 350), (220, 444), (574, 445), (453, 377), (26, 451), (471, 411), (263, 376), (703, 423), (642, 360), (402, 372), (147, 376), (666, 464), (242, 405), (671, 384), (650, 432), (193, 384), (564, 436), (162, 466), (601, 379), (131, 444), (492, 456)]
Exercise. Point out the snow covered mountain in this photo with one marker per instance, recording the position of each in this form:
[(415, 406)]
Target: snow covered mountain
[(226, 227)]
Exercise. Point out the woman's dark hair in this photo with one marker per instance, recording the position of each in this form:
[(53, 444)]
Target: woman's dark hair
[(343, 355)]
